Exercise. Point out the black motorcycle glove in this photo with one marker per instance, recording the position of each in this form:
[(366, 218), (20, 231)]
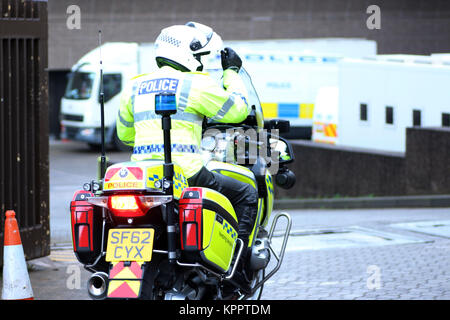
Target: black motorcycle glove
[(230, 60)]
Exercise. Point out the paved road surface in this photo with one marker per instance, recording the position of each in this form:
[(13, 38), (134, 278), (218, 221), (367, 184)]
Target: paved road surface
[(331, 254)]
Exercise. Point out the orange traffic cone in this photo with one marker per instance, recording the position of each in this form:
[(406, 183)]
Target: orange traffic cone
[(16, 281)]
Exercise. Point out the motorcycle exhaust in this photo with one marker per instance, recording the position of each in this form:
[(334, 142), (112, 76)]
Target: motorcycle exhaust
[(97, 285), (260, 256), (173, 295), (278, 256)]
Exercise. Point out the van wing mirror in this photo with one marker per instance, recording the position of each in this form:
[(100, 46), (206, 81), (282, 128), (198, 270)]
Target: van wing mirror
[(283, 126)]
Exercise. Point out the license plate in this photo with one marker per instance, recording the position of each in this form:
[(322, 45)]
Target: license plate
[(130, 245)]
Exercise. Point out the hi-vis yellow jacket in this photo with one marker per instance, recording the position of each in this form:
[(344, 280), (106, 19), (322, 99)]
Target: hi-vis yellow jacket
[(197, 94)]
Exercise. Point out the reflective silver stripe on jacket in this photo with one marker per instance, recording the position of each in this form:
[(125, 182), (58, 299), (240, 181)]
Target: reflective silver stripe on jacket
[(184, 93), (185, 116), (128, 143), (224, 109), (126, 123), (133, 93)]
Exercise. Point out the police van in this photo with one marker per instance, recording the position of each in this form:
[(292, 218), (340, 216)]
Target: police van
[(377, 98), (286, 74)]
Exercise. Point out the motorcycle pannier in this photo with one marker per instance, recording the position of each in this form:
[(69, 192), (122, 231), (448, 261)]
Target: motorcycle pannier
[(86, 227), (208, 228)]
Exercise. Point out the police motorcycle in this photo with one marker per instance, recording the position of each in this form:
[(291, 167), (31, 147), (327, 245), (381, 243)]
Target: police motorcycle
[(144, 233)]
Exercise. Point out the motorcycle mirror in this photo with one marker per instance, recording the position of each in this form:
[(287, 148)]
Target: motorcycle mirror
[(283, 148)]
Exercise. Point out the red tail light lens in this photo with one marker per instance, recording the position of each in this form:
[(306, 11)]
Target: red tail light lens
[(129, 205), (123, 203), (126, 206), (83, 236)]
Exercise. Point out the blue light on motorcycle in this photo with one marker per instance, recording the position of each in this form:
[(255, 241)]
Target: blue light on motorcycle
[(165, 103)]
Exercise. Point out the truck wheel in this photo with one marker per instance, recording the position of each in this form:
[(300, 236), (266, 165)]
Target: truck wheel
[(94, 147)]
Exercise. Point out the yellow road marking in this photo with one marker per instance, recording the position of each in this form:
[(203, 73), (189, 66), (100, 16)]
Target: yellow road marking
[(63, 255)]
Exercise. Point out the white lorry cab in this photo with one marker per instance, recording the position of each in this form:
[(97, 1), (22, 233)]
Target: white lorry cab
[(285, 73), (80, 105), (377, 98)]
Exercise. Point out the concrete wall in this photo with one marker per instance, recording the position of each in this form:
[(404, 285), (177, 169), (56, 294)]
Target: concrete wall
[(407, 26), (427, 161), (331, 171)]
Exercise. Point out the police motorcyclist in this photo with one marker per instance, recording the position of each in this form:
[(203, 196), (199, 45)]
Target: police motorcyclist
[(182, 52)]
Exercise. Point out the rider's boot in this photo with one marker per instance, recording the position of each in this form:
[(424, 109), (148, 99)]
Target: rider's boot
[(243, 274)]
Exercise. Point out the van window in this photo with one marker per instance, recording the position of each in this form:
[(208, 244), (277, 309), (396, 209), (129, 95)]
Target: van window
[(79, 85), (446, 119), (256, 114), (112, 85), (363, 111), (389, 115), (417, 118)]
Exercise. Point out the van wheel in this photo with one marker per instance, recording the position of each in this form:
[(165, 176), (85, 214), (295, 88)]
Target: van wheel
[(94, 147)]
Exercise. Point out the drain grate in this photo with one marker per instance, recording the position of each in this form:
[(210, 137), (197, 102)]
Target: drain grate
[(350, 237), (439, 228)]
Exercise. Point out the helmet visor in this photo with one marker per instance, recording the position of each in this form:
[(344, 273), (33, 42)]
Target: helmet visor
[(198, 44)]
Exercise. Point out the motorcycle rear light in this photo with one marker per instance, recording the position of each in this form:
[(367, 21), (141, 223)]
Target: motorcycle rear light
[(123, 203), (154, 201), (125, 206), (129, 205)]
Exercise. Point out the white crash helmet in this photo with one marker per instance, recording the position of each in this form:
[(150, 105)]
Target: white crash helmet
[(190, 47)]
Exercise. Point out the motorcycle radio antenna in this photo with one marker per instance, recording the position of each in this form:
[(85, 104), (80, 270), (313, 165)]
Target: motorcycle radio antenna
[(102, 112)]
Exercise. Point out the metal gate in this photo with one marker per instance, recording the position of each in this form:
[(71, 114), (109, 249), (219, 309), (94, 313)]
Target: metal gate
[(24, 164)]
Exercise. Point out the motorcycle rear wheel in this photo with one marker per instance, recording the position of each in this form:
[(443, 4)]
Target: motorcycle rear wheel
[(260, 274)]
